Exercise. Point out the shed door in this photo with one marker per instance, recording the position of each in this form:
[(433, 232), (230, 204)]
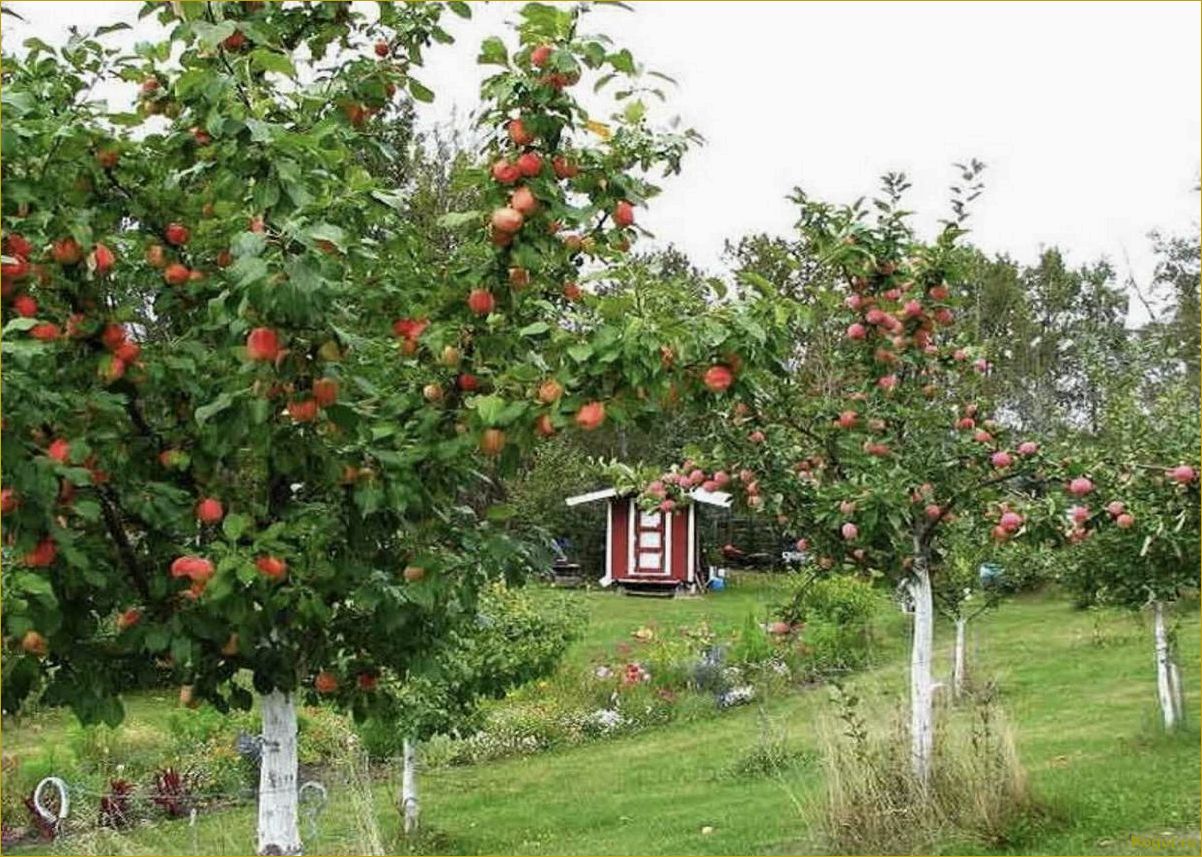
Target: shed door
[(651, 552)]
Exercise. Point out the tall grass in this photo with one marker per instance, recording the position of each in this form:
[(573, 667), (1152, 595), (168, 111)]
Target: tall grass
[(873, 804)]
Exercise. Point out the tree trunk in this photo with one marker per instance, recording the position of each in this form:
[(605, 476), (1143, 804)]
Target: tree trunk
[(1164, 668), (1175, 686), (922, 713), (410, 804), (958, 658), (279, 832)]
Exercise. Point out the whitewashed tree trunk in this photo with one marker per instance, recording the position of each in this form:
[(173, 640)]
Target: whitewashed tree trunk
[(922, 709), (1175, 686), (410, 803), (958, 658), (1164, 668), (279, 832)]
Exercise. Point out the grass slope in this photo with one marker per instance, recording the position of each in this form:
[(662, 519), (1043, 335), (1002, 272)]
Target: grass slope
[(1078, 687)]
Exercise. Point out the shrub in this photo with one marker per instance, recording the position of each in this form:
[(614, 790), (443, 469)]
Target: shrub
[(874, 804), (838, 615)]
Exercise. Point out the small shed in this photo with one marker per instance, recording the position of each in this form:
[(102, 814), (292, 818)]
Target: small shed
[(653, 550)]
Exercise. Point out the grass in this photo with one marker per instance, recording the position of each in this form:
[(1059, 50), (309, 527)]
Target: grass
[(1078, 688)]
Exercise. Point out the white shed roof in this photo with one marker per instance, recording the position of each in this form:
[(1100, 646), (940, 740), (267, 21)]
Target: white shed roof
[(700, 495)]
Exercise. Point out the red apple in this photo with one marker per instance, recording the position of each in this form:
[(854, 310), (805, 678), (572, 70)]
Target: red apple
[(530, 164), (718, 378), (66, 251), (262, 344), (25, 306), (541, 55), (1080, 486), (46, 332), (507, 220), (325, 392), (303, 410), (481, 301), (492, 441), (177, 234), (505, 172), (518, 133), (849, 531), (523, 201), (176, 274), (325, 682), (564, 167), (1182, 474), (1124, 521), (591, 415), (382, 49), (272, 567), (209, 511), (623, 214)]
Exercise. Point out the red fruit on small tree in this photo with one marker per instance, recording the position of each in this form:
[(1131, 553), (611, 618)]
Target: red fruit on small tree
[(209, 511), (176, 274), (572, 292), (325, 682), (507, 220), (234, 41), (262, 344), (1001, 459), (46, 332), (272, 567), (549, 391), (177, 234), (128, 618), (1182, 474), (492, 441), (530, 164), (366, 681), (103, 259), (848, 419), (8, 501), (66, 251), (59, 450), (591, 415), (564, 167), (505, 172), (382, 49), (1080, 486), (855, 330), (34, 644), (325, 392), (718, 378), (543, 426), (467, 382), (623, 214), (112, 336), (25, 306), (43, 554), (849, 531), (1125, 521), (302, 410), (1028, 447), (518, 133), (541, 55), (481, 301), (523, 201)]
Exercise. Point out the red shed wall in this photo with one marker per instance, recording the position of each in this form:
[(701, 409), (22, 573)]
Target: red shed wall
[(680, 545), (619, 538)]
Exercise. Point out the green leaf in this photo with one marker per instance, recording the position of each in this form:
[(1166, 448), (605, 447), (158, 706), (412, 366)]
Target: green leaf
[(492, 52), (534, 328), (19, 325), (455, 219), (263, 59), (463, 10), (580, 352), (235, 525), (419, 91)]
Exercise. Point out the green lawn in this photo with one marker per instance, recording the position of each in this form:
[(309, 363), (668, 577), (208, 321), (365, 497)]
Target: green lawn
[(1079, 689)]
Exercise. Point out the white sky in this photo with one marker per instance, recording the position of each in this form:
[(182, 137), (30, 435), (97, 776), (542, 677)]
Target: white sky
[(1086, 114)]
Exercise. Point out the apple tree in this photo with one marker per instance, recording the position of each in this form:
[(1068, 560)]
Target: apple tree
[(249, 418), (1137, 543), (876, 436)]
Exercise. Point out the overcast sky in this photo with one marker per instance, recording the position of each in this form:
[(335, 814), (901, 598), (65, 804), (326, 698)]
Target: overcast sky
[(1086, 114)]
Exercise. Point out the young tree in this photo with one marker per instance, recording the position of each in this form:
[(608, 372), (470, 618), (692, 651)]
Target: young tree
[(874, 449), (1141, 546), (222, 450), (512, 641)]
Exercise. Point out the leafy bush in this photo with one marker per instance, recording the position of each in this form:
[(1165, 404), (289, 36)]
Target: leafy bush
[(838, 615)]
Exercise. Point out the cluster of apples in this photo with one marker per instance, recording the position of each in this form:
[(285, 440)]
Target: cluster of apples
[(17, 271)]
